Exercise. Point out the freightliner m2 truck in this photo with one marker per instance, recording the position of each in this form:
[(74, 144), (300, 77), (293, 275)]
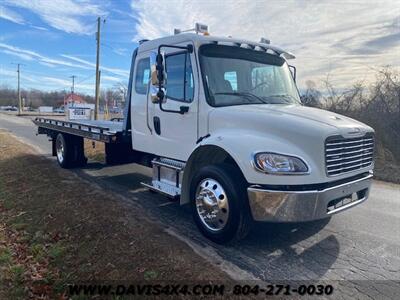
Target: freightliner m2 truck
[(220, 122)]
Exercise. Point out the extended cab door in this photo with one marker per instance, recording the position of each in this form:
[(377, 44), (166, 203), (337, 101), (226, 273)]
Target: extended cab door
[(175, 135), (140, 123)]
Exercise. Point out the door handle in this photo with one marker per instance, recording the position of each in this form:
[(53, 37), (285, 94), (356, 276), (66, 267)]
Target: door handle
[(157, 125), (183, 109)]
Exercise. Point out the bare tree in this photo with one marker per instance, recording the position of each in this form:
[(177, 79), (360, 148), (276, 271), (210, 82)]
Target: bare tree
[(121, 89), (35, 98), (311, 97)]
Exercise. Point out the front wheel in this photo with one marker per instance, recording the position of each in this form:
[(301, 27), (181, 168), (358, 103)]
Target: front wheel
[(219, 203)]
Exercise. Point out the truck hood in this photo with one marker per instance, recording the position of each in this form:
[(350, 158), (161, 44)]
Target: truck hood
[(287, 129), (286, 120)]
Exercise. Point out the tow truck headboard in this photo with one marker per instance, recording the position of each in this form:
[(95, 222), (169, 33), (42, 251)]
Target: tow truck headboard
[(127, 109)]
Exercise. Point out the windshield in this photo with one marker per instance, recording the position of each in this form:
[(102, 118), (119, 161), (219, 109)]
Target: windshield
[(237, 76)]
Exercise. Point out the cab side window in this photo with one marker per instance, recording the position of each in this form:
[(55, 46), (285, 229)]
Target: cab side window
[(180, 81), (142, 76)]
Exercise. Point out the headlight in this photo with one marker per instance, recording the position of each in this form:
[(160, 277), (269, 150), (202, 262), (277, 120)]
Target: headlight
[(279, 164)]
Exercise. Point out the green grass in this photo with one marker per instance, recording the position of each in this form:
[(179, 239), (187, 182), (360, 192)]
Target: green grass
[(57, 251), (150, 275), (7, 202), (79, 297), (19, 226), (6, 199), (18, 292), (18, 222), (17, 274), (37, 236), (5, 256), (16, 280), (37, 251)]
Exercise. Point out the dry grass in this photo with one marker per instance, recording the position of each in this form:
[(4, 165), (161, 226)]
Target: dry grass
[(57, 228), (94, 150)]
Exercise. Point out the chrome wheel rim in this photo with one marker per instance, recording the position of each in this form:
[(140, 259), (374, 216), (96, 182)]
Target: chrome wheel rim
[(60, 150), (212, 204)]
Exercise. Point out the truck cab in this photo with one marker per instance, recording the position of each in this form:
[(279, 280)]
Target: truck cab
[(242, 112), (223, 124)]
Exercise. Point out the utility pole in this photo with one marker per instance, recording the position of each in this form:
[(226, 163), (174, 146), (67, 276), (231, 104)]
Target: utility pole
[(97, 91), (73, 84), (19, 91), (19, 88)]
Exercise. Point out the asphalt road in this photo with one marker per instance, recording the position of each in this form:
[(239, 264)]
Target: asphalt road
[(358, 250)]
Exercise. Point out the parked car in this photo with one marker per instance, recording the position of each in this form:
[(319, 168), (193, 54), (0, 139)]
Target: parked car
[(11, 108)]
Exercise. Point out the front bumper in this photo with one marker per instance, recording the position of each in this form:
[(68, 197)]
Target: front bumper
[(299, 206)]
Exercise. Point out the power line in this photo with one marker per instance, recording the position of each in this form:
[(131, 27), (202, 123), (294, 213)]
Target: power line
[(86, 78)]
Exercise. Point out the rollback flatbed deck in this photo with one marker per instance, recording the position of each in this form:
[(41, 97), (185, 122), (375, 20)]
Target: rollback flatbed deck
[(68, 137), (104, 131)]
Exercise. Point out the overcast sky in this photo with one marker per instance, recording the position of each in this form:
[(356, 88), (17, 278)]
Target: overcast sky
[(54, 39)]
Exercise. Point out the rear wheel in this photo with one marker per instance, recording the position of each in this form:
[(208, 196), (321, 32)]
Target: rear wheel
[(219, 203), (61, 151), (70, 151)]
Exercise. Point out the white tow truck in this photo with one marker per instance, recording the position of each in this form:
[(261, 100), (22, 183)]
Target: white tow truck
[(221, 123)]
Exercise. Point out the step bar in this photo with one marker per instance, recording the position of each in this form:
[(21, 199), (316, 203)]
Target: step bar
[(167, 177)]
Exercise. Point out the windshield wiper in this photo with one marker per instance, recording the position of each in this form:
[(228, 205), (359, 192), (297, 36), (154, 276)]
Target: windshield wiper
[(245, 95), (284, 97)]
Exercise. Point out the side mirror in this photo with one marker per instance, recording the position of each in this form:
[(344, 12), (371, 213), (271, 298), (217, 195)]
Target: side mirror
[(157, 77), (293, 71)]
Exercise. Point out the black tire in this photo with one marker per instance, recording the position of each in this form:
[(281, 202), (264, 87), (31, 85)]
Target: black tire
[(239, 219), (63, 151), (72, 152)]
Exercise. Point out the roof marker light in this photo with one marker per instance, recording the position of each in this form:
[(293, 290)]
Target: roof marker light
[(198, 28), (201, 28), (265, 41)]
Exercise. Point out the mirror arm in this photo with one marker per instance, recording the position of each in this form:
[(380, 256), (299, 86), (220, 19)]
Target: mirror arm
[(294, 72), (160, 94), (184, 79), (182, 109)]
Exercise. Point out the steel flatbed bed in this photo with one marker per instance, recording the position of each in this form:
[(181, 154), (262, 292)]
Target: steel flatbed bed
[(99, 130)]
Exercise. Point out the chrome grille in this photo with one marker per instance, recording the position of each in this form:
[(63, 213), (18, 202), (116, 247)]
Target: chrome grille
[(343, 155)]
